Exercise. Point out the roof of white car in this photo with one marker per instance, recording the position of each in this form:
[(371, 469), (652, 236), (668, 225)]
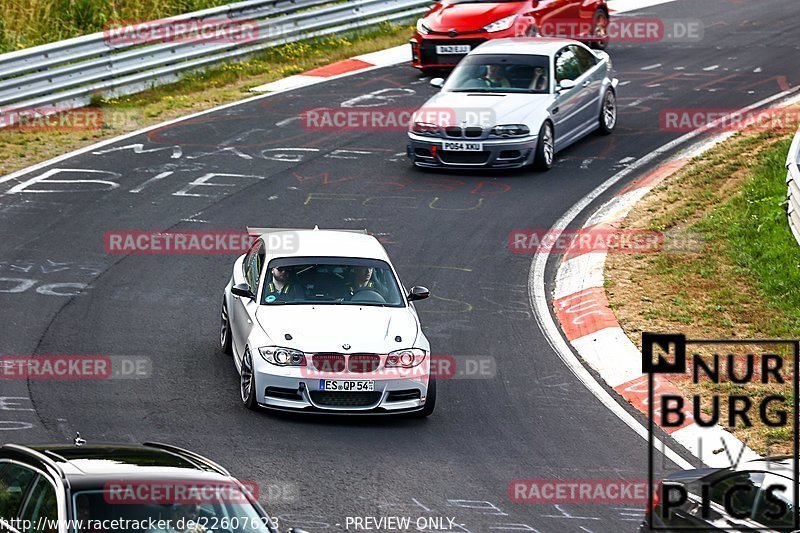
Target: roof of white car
[(323, 243), (523, 45)]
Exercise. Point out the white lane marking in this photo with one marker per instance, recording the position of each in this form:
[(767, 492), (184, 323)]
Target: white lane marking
[(712, 67), (104, 185), (651, 67), (92, 147), (157, 177), (757, 70), (286, 121), (540, 302)]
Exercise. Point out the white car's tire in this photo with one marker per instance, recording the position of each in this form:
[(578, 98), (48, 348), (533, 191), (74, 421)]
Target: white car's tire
[(608, 112), (430, 400), (247, 381), (545, 148), (225, 342)]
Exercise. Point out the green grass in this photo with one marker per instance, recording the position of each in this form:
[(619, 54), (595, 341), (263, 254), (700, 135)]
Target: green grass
[(33, 22), (753, 228)]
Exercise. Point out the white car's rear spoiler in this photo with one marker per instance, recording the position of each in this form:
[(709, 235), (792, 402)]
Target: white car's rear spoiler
[(261, 231)]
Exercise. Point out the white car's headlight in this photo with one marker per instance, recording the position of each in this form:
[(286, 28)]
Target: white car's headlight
[(500, 25), (511, 130), (422, 28), (426, 128), (406, 358), (280, 356)]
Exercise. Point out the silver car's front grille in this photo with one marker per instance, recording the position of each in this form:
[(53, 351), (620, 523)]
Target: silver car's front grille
[(458, 132)]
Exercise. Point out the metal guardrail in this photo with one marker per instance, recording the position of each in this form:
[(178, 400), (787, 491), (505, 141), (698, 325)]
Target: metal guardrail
[(68, 73), (793, 182)]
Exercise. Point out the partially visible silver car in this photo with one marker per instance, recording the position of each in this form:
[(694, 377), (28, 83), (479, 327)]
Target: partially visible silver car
[(515, 102)]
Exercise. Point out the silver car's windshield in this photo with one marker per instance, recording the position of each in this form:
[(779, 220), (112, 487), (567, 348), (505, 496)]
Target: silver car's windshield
[(332, 280), (501, 74)]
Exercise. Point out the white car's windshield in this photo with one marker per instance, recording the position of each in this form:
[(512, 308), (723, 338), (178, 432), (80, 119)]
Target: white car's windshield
[(333, 280), (501, 74)]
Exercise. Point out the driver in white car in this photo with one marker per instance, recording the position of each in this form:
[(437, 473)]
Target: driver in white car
[(362, 280)]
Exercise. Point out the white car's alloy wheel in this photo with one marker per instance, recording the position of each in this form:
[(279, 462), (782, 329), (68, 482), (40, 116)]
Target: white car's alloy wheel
[(225, 330), (246, 378)]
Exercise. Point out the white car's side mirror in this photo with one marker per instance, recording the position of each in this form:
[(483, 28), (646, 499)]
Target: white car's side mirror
[(565, 85), (437, 82)]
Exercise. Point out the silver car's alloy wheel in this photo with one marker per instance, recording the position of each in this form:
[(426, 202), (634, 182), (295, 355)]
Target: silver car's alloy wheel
[(547, 144), (246, 380), (610, 110)]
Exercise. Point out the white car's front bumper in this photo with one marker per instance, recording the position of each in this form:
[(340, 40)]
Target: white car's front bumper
[(296, 389)]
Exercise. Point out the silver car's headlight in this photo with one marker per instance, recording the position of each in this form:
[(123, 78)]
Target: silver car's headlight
[(426, 128), (422, 28), (406, 358), (280, 356), (511, 130), (500, 25)]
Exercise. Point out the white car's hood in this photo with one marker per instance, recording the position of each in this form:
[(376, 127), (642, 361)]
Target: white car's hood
[(492, 109), (325, 328)]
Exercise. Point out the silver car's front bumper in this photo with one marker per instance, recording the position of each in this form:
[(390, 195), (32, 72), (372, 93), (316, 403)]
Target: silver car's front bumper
[(291, 389), (497, 153)]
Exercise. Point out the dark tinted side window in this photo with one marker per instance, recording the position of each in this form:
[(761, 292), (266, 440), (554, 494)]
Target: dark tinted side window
[(249, 259), (15, 480), (743, 499), (768, 510), (568, 67), (586, 59), (40, 505), (254, 263)]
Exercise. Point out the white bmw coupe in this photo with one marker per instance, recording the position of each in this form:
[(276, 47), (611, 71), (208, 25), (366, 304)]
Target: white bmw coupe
[(318, 321)]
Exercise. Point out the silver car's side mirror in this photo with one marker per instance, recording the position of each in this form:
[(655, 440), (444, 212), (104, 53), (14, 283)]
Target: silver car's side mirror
[(566, 85), (437, 82)]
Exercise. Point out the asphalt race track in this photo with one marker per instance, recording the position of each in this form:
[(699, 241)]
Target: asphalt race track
[(534, 420)]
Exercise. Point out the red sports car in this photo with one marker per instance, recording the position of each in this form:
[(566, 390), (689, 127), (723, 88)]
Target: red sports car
[(452, 28)]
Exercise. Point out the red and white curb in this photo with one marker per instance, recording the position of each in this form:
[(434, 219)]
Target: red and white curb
[(362, 63), (581, 306)]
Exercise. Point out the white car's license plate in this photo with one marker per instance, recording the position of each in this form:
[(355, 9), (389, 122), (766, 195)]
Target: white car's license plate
[(445, 49), (347, 385), (462, 147)]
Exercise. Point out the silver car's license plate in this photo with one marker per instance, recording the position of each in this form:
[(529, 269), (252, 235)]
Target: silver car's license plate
[(347, 385), (462, 147), (448, 49)]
